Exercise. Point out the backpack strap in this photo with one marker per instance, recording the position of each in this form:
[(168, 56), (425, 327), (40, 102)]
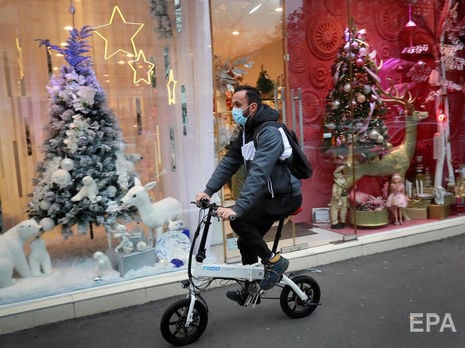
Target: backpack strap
[(257, 131), (287, 152)]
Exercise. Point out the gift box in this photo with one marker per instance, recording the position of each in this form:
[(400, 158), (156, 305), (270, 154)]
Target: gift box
[(369, 218), (417, 213), (419, 203), (438, 211)]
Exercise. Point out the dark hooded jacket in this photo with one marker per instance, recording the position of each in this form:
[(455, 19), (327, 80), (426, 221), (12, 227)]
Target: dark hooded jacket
[(267, 176)]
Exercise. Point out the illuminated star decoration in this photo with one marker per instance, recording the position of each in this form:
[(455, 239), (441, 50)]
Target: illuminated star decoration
[(171, 86), (119, 35), (140, 64)]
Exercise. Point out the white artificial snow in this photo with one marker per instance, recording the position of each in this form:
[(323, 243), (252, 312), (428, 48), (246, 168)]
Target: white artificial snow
[(73, 268)]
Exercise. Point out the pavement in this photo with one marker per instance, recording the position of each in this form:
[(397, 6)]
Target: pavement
[(409, 297), (325, 248)]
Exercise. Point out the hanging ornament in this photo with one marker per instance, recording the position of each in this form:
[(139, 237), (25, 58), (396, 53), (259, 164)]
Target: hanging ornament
[(44, 204), (61, 177), (359, 62), (361, 98), (361, 34), (67, 164), (347, 88), (373, 135), (336, 104), (331, 126), (363, 51), (47, 224), (380, 139), (358, 125), (111, 191)]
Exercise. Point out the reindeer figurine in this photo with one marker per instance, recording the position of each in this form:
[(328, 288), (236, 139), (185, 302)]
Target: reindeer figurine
[(154, 215), (399, 158)]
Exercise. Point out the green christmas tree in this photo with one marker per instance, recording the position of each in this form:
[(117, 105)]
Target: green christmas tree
[(84, 172), (264, 84), (354, 108)]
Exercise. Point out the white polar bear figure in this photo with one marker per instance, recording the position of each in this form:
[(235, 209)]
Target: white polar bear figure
[(89, 190), (12, 254), (6, 273), (102, 264), (39, 259)]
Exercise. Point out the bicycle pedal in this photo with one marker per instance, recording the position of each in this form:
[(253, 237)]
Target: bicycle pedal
[(253, 299)]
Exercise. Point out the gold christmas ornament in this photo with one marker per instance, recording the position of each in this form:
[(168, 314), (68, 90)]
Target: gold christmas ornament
[(361, 98)]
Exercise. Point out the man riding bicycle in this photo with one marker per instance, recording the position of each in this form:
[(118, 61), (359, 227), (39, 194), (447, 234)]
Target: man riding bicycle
[(269, 192)]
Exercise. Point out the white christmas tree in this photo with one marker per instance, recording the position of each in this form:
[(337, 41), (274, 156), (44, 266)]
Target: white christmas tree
[(84, 172)]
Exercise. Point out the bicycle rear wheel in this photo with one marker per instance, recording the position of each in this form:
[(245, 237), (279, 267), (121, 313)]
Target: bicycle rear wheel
[(292, 305)]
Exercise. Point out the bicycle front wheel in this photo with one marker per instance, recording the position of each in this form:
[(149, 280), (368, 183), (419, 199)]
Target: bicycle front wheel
[(173, 323)]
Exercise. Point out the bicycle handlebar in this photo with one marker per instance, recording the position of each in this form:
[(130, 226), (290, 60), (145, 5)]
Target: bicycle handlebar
[(205, 204)]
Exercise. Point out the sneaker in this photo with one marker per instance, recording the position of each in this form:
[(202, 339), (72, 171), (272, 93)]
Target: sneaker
[(239, 296), (274, 273)]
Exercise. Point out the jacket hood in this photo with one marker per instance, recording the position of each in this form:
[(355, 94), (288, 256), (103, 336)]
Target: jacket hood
[(264, 114)]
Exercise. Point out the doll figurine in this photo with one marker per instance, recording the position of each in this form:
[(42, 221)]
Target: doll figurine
[(397, 199), (339, 200)]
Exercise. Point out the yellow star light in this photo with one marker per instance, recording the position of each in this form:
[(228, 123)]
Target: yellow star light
[(171, 86), (119, 35), (143, 66)]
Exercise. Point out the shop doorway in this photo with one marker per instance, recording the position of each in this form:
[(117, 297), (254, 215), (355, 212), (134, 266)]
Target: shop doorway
[(248, 44)]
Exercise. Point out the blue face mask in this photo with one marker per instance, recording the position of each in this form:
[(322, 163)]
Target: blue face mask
[(238, 116)]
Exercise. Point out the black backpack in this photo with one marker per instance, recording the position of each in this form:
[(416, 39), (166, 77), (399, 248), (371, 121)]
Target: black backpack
[(298, 164)]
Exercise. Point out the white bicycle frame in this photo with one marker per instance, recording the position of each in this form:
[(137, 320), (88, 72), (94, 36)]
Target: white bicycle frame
[(206, 272), (203, 273)]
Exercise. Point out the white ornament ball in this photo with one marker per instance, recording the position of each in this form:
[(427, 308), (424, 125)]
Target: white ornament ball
[(380, 139), (111, 191), (61, 177), (67, 164), (331, 126), (373, 135), (47, 224), (347, 88), (336, 104), (44, 204), (141, 246), (128, 248)]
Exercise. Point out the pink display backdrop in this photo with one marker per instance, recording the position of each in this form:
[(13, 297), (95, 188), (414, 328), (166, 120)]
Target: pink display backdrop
[(314, 35)]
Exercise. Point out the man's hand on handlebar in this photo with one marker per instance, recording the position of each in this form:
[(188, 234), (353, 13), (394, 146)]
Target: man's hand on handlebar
[(226, 213), (201, 196)]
